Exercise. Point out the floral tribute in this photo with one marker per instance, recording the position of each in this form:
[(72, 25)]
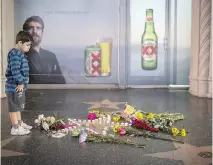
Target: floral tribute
[(115, 127)]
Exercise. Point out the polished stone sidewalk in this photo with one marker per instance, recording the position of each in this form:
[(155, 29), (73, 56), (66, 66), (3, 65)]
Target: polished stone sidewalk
[(39, 149)]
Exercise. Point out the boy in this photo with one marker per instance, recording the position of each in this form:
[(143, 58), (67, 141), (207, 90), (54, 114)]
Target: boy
[(17, 75)]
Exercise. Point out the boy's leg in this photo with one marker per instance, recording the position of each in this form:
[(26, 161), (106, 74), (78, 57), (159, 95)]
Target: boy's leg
[(13, 119), (18, 114), (21, 98), (13, 108)]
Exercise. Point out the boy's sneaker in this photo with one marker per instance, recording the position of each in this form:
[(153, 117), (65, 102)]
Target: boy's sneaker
[(25, 126), (19, 131)]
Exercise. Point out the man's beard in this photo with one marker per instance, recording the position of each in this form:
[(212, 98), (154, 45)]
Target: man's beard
[(36, 40)]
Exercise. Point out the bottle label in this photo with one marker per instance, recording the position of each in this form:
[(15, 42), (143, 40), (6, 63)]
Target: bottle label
[(149, 50), (149, 19)]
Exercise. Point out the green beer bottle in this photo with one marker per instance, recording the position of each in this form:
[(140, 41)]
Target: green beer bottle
[(149, 42)]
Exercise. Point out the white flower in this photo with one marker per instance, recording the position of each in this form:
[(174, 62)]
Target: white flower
[(52, 120), (37, 121), (40, 117), (170, 124), (45, 126), (48, 119), (69, 120)]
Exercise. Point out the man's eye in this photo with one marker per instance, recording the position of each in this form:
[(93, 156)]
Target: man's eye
[(30, 28)]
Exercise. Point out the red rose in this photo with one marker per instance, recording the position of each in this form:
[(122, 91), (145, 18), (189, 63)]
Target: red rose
[(144, 125)]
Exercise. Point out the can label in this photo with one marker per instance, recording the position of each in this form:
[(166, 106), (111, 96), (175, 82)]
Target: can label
[(93, 61), (149, 50)]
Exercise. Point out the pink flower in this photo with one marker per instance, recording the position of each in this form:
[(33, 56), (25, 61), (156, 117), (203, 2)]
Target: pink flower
[(124, 115), (121, 131), (91, 116)]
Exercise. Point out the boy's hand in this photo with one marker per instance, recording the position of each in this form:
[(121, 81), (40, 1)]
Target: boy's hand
[(19, 88)]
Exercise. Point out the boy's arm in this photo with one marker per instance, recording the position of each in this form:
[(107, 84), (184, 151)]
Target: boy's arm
[(15, 68)]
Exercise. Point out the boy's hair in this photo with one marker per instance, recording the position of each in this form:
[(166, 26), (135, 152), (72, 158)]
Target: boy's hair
[(33, 19), (23, 36)]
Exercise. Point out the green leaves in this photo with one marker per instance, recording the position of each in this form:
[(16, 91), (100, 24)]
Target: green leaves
[(147, 134), (113, 140)]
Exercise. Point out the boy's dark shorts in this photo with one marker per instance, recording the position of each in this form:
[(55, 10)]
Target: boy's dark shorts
[(16, 101)]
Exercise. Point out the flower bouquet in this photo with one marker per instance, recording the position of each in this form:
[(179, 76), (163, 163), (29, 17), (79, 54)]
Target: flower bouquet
[(153, 122), (49, 123)]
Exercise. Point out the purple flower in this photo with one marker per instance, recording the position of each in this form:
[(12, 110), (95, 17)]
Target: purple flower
[(91, 116)]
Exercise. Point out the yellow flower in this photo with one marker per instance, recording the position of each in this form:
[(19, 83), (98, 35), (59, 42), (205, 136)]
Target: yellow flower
[(175, 131), (115, 128), (129, 109), (116, 118), (139, 115), (183, 132), (150, 116)]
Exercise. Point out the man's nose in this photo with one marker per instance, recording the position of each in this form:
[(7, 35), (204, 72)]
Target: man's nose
[(34, 30)]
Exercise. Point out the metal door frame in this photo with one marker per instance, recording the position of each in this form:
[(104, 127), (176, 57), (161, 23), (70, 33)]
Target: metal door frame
[(128, 54)]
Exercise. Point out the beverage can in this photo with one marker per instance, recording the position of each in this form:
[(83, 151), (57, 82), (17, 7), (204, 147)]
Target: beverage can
[(93, 60)]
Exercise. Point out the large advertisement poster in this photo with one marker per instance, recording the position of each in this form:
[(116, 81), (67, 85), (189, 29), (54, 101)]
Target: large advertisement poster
[(75, 41), (147, 37)]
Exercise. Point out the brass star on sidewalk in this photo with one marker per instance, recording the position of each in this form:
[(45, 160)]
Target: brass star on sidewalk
[(8, 153), (6, 141), (104, 104), (187, 153)]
